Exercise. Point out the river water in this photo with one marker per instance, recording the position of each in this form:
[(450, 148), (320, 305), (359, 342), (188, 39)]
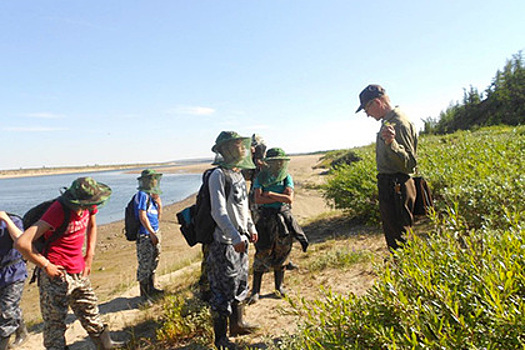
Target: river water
[(17, 195)]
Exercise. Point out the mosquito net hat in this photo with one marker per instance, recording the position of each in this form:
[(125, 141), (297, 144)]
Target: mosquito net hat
[(233, 151), (86, 192), (149, 181), (275, 168)]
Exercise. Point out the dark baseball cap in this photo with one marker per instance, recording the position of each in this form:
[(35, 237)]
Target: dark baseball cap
[(368, 94)]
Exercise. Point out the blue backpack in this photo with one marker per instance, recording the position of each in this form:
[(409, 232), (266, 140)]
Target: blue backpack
[(197, 224)]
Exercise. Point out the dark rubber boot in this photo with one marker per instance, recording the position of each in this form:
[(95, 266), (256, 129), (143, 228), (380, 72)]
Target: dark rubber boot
[(237, 324), (4, 343), (291, 266), (152, 290), (21, 334), (220, 327), (147, 299), (104, 341), (279, 277), (256, 290)]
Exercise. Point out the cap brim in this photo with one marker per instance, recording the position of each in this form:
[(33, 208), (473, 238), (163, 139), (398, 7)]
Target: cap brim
[(359, 109)]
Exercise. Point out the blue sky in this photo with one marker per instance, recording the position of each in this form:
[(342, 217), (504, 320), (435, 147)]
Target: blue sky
[(107, 82)]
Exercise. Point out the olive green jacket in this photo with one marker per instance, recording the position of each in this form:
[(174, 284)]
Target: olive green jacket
[(400, 155)]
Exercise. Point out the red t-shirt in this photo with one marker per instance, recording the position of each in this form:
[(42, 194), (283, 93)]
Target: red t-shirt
[(66, 251)]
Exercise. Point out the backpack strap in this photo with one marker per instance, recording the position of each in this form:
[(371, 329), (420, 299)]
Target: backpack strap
[(227, 180), (59, 232)]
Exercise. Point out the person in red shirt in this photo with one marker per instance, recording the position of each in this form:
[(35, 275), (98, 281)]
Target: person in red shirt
[(64, 268)]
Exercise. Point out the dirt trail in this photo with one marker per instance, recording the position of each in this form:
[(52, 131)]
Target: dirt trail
[(115, 263)]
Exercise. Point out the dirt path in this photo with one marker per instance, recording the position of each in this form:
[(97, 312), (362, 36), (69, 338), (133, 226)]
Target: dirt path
[(114, 267)]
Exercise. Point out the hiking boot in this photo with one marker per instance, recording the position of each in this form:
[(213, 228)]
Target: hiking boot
[(257, 279), (237, 324), (21, 334), (279, 277), (104, 341)]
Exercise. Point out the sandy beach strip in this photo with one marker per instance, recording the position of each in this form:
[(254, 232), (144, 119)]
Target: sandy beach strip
[(172, 167)]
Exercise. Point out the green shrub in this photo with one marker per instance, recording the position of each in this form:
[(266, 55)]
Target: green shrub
[(482, 172), (185, 319), (448, 292)]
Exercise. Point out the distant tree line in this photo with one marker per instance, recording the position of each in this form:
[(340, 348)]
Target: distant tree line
[(503, 102)]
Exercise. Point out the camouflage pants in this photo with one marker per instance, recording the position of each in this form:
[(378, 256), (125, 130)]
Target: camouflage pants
[(147, 257), (274, 246), (10, 312), (56, 296), (275, 257), (228, 276), (204, 284)]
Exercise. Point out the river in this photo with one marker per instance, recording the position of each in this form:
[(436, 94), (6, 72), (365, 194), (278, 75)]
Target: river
[(18, 195)]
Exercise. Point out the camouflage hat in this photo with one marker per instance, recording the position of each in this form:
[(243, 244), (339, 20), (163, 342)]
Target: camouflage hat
[(224, 137), (85, 191), (149, 173), (276, 153)]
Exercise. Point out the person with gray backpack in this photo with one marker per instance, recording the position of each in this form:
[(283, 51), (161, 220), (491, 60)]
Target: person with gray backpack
[(227, 260)]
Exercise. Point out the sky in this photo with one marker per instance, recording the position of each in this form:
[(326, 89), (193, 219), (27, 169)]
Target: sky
[(117, 82)]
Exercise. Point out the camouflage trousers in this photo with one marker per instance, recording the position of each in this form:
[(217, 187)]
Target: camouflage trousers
[(204, 283), (274, 245), (228, 276), (147, 257), (10, 312), (56, 296), (273, 258)]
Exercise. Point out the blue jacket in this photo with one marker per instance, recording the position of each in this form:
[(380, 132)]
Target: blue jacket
[(12, 267)]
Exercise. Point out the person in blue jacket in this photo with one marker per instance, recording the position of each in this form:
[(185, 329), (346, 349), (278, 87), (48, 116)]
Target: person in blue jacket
[(13, 273)]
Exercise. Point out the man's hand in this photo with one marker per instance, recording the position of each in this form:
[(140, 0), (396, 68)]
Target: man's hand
[(55, 271), (388, 133), (241, 247), (254, 237), (87, 267), (154, 238)]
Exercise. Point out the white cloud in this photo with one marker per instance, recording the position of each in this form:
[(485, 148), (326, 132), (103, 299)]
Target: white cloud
[(44, 115), (33, 129), (191, 110)]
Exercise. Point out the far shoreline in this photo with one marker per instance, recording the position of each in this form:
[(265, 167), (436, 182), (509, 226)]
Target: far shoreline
[(189, 167)]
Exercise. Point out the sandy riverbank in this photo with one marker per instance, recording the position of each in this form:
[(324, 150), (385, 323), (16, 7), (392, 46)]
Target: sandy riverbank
[(114, 266)]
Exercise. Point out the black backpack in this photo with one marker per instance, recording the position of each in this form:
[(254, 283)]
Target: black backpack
[(131, 222), (197, 224), (33, 215), (424, 200)]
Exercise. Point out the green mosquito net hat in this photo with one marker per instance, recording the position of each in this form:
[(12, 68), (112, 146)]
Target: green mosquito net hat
[(233, 151), (275, 168), (149, 181)]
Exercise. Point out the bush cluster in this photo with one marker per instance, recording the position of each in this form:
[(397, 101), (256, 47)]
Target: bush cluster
[(460, 287), (478, 175), (441, 293)]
